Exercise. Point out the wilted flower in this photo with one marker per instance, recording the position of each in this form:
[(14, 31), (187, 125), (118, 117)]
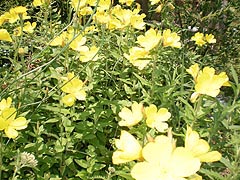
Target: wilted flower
[(28, 160), (171, 39), (131, 117), (165, 161), (74, 89), (150, 40), (128, 149), (156, 118), (9, 124), (199, 147), (4, 35)]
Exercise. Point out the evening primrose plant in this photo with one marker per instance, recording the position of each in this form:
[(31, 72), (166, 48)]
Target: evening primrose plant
[(96, 90)]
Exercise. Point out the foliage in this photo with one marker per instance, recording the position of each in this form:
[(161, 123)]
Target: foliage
[(81, 81)]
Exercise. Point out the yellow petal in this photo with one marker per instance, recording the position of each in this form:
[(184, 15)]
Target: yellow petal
[(158, 152), (129, 149), (131, 118), (183, 163), (80, 95), (194, 70), (3, 124), (4, 35), (9, 114), (210, 156), (11, 132), (5, 103), (19, 123), (69, 100), (145, 171), (195, 177)]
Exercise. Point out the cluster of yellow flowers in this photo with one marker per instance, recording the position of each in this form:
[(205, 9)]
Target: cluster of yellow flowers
[(154, 118), (200, 39), (12, 16), (140, 56), (119, 18), (160, 158), (8, 121), (74, 89), (77, 43), (113, 18), (85, 7), (206, 82)]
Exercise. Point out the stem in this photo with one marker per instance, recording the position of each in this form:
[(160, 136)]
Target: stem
[(17, 166), (196, 109), (154, 73)]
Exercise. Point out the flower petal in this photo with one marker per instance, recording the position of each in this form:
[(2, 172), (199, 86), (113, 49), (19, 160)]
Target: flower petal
[(11, 132), (19, 123)]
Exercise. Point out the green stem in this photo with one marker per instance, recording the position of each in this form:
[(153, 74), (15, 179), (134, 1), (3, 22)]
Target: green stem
[(154, 73), (197, 109)]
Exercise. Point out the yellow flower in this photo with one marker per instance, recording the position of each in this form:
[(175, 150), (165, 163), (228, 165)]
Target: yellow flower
[(127, 2), (101, 17), (199, 39), (150, 40), (78, 4), (60, 40), (28, 27), (9, 124), (19, 9), (210, 38), (3, 19), (39, 2), (14, 14), (171, 39), (138, 57), (156, 118), (194, 70), (104, 4), (128, 149), (74, 89), (206, 82), (159, 8), (78, 42), (122, 15), (154, 2), (137, 22), (199, 147), (164, 161), (85, 11), (4, 104), (89, 55), (131, 117), (4, 35)]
